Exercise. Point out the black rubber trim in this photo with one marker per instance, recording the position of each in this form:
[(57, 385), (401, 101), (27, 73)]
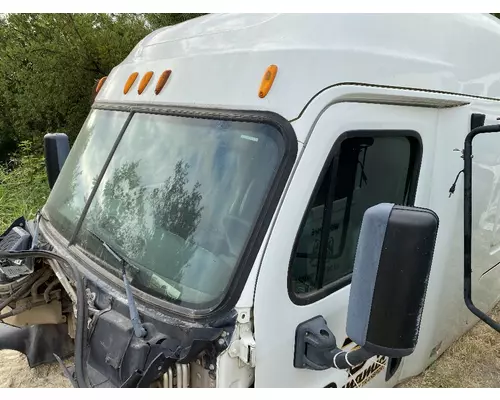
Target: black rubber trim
[(220, 307), (415, 164)]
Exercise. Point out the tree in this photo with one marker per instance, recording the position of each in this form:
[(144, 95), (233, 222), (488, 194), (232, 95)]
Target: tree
[(50, 64), (177, 209), (157, 21), (120, 209)]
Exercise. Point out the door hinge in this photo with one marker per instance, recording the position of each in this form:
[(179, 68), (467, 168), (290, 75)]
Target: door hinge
[(243, 346)]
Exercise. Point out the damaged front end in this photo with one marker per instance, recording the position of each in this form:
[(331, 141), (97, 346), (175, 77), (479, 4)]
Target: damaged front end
[(50, 311), (166, 207), (164, 357), (35, 309)]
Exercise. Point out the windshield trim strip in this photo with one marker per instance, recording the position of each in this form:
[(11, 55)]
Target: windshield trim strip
[(104, 168), (266, 117)]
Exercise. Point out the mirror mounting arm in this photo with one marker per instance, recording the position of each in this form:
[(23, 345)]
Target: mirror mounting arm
[(468, 223), (350, 359), (316, 348)]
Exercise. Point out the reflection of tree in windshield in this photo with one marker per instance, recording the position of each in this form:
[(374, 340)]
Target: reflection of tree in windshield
[(70, 199), (132, 217), (120, 209), (176, 209)]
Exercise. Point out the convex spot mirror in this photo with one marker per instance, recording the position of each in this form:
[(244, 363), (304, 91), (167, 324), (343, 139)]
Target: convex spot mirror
[(56, 148), (390, 276)]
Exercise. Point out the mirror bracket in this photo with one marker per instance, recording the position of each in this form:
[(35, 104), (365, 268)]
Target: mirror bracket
[(316, 348)]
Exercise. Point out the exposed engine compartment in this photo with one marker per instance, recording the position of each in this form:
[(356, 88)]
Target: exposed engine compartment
[(36, 314), (50, 312), (30, 290)]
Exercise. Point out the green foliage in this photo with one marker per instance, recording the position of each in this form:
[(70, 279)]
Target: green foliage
[(23, 186), (156, 21), (50, 64), (49, 67)]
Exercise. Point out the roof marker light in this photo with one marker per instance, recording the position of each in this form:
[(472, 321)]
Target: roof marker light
[(100, 83), (144, 81), (130, 81), (267, 80), (162, 80)]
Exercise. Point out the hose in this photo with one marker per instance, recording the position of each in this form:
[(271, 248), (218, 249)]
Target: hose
[(81, 331), (49, 287), (6, 289), (21, 309), (64, 280), (44, 278), (25, 288)]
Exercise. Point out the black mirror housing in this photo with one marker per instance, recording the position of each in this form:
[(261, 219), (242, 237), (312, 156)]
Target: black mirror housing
[(56, 148), (390, 276)]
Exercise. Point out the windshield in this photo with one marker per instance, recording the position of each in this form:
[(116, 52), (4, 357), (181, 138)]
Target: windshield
[(84, 163), (178, 200)]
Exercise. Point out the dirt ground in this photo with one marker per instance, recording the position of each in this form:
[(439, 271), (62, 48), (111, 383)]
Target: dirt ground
[(473, 361), (15, 373)]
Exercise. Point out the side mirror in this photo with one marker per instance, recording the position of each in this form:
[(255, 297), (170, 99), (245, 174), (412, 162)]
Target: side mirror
[(388, 287), (389, 281), (476, 119), (56, 148)]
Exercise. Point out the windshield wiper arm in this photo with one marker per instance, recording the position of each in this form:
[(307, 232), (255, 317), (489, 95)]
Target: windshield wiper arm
[(139, 330)]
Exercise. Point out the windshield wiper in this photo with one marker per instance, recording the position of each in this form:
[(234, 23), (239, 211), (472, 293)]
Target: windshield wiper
[(139, 330)]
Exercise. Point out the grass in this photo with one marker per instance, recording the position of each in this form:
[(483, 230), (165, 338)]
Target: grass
[(23, 186), (471, 362)]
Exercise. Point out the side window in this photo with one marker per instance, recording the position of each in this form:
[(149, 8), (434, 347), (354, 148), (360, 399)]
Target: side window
[(364, 171)]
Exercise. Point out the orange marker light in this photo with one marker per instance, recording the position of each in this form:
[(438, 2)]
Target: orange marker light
[(162, 80), (100, 83), (144, 81), (130, 81), (267, 80)]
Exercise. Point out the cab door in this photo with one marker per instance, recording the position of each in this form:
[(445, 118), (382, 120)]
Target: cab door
[(358, 155)]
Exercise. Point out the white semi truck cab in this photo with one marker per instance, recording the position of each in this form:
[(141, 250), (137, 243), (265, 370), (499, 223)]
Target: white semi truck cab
[(270, 200)]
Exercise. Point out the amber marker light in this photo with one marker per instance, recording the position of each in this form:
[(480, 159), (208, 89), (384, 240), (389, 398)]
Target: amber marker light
[(267, 80)]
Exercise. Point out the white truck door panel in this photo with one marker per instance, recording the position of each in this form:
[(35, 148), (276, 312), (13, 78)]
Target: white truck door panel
[(276, 314)]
